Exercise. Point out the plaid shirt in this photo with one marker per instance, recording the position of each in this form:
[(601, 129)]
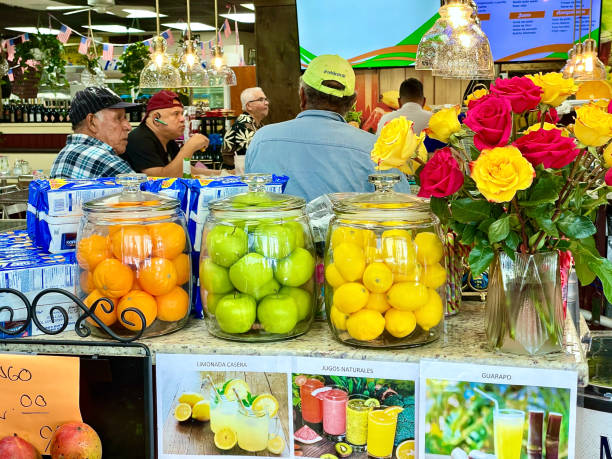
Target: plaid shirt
[(86, 157)]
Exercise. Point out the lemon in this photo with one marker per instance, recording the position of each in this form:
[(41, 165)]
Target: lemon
[(431, 313), (429, 248), (365, 325), (393, 411), (182, 412), (408, 296), (372, 253), (413, 274), (372, 402), (225, 438), (434, 275), (276, 444), (267, 403), (377, 278), (350, 261), (333, 276), (377, 302), (345, 234), (338, 318), (191, 398), (405, 450), (240, 387), (201, 411), (399, 323), (398, 251), (350, 297)]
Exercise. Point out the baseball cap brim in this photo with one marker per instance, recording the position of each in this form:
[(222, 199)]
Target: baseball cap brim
[(124, 105)]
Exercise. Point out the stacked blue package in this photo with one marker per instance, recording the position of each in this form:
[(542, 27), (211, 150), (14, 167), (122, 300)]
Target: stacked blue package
[(175, 188)]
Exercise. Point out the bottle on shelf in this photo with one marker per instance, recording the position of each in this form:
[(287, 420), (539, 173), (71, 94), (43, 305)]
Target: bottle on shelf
[(186, 168), (38, 111)]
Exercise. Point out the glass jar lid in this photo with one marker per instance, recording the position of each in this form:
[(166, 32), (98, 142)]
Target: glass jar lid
[(257, 198), (384, 204), (131, 200)]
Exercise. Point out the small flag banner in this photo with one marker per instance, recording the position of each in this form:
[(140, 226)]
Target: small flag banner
[(64, 34), (220, 41), (25, 37), (107, 51), (11, 77), (10, 50), (168, 36), (227, 30), (84, 45)]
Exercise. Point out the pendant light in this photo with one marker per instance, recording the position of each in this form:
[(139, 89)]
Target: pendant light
[(589, 68), (220, 74), (192, 73), (159, 72), (95, 76)]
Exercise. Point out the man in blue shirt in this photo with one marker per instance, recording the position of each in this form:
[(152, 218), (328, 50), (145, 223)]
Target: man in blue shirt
[(319, 151)]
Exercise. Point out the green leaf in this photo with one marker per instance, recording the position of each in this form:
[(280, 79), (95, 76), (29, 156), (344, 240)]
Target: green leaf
[(457, 227), (509, 251), (544, 209), (603, 269), (575, 226), (499, 230), (480, 258), (545, 190), (513, 240), (484, 225), (547, 225), (467, 236), (534, 238), (439, 206), (563, 244), (467, 210), (474, 152), (581, 253)]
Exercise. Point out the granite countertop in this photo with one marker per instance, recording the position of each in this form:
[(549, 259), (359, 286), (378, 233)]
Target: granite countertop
[(463, 341)]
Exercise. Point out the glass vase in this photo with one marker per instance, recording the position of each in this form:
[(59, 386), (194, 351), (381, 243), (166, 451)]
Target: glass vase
[(524, 312)]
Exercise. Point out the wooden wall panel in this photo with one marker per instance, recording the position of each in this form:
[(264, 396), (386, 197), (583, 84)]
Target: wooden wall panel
[(245, 78)]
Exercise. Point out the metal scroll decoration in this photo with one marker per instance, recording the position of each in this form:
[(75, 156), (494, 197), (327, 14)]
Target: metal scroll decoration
[(80, 327)]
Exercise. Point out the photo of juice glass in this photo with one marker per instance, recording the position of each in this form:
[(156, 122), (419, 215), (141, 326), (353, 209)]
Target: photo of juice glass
[(381, 432), (251, 428), (334, 411), (357, 422), (311, 406), (223, 412), (508, 427)]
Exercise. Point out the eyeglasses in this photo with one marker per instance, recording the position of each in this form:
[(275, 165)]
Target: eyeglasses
[(261, 99)]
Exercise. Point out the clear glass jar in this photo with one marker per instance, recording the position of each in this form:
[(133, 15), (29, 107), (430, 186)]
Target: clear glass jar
[(385, 273), (257, 265), (132, 248)]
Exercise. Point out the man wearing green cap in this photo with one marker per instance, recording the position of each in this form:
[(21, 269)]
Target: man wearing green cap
[(319, 151)]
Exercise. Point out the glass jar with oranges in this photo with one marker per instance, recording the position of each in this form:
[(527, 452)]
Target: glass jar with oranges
[(385, 273), (132, 248), (257, 265)]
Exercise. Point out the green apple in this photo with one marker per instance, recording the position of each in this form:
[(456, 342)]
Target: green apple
[(274, 241), (302, 298), (277, 313), (298, 230), (236, 313), (226, 244), (295, 269), (215, 278), (251, 198), (212, 299), (251, 272), (269, 288)]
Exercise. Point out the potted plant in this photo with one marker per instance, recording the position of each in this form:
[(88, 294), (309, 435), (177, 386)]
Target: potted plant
[(41, 58), (131, 63)]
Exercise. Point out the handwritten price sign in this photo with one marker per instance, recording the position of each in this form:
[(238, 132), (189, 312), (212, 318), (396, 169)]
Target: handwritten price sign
[(37, 394)]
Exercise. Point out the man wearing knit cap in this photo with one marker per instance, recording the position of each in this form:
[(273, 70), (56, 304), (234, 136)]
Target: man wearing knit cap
[(319, 151), (151, 146)]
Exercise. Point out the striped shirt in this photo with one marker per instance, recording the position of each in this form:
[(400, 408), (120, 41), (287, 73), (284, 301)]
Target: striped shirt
[(86, 157)]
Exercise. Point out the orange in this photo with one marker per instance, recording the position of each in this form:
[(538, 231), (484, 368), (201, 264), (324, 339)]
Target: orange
[(172, 306), (141, 301), (168, 239), (112, 278), (107, 318), (157, 276), (183, 268), (92, 250), (131, 244), (87, 284)]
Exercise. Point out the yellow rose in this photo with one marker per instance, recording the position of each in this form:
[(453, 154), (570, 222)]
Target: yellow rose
[(499, 173), (593, 126), (476, 95), (555, 88), (443, 123), (607, 156), (546, 127), (396, 145), (411, 166)]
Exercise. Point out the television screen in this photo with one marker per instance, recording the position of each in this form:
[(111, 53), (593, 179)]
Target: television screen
[(386, 33)]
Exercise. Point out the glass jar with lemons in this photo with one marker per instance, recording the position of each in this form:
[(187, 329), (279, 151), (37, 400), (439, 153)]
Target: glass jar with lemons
[(385, 272), (257, 265)]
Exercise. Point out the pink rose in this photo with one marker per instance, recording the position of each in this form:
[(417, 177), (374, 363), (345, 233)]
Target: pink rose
[(610, 107), (490, 117), (441, 176), (551, 116), (608, 177), (522, 93), (549, 148)]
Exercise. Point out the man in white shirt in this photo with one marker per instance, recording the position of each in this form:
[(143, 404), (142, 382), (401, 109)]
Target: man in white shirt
[(411, 103)]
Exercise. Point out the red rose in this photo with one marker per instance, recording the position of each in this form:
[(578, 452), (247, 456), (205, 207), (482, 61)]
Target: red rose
[(549, 148), (522, 93), (441, 176), (551, 116), (610, 107), (490, 117), (608, 177)]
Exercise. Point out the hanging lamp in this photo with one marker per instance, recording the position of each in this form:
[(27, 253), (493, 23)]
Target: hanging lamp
[(193, 75), (95, 76), (159, 72), (588, 66), (220, 74)]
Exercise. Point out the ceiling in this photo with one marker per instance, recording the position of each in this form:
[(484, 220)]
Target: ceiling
[(35, 13)]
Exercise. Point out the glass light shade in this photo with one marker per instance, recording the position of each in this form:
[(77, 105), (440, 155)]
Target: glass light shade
[(95, 77), (431, 41), (591, 67), (193, 75), (579, 64), (570, 64), (220, 74), (159, 72), (4, 66)]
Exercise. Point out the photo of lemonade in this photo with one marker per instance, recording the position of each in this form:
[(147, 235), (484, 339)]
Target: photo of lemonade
[(381, 432), (251, 428), (508, 426), (223, 412), (357, 421)]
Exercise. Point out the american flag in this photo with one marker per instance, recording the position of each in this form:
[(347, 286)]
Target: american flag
[(227, 30), (25, 37), (64, 34), (10, 50), (84, 45), (168, 36), (11, 77), (107, 51)]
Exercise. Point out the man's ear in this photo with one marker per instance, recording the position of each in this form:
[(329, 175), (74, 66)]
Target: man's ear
[(302, 99), (92, 122), (424, 101)]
